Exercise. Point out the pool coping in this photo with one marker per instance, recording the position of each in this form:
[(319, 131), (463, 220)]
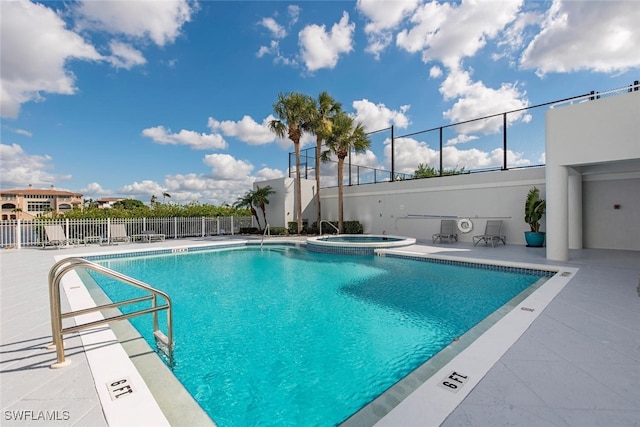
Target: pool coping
[(428, 404)]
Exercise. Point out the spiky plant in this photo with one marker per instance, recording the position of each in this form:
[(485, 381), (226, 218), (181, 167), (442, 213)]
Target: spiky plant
[(534, 209)]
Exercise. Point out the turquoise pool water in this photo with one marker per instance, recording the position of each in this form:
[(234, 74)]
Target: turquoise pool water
[(282, 336)]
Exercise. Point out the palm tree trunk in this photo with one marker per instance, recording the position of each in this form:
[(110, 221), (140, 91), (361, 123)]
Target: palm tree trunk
[(298, 188), (264, 215), (340, 195), (318, 149), (255, 215)]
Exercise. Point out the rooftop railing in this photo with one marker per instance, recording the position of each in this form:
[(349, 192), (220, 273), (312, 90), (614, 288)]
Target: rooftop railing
[(501, 134)]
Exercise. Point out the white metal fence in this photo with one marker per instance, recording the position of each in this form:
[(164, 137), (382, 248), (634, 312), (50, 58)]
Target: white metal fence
[(19, 233)]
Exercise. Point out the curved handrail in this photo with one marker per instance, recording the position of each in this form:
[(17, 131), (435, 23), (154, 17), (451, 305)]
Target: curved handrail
[(267, 229), (62, 267), (334, 227)]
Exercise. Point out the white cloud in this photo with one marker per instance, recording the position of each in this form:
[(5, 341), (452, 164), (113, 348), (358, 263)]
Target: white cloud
[(94, 190), (461, 139), (448, 32), (294, 13), (378, 116), (321, 49), (19, 169), (22, 132), (274, 50), (246, 130), (435, 72), (125, 56), (409, 153), (383, 17), (477, 100), (268, 173), (195, 140), (35, 49), (160, 21), (277, 30), (145, 187), (599, 36), (225, 166)]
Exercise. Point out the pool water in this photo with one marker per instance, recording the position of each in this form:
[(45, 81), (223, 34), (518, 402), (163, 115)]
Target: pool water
[(282, 336)]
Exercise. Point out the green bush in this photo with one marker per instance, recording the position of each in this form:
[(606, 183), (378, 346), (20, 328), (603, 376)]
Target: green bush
[(353, 227), (249, 230), (292, 227), (350, 227), (278, 231)]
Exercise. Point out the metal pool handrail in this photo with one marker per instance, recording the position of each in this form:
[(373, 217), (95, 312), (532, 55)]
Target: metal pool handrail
[(66, 265), (267, 229), (334, 227)]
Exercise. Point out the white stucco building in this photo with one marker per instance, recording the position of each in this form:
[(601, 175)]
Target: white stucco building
[(591, 182)]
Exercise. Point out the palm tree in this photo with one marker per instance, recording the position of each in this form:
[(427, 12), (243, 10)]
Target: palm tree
[(261, 198), (325, 108), (345, 136), (246, 202), (165, 195), (294, 113)]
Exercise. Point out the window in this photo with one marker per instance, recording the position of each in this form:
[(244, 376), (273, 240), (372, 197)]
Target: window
[(38, 206), (64, 207), (8, 206)]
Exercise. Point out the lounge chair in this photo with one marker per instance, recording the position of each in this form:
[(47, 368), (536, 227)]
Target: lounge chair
[(119, 234), (149, 236), (492, 233), (56, 237), (447, 231)]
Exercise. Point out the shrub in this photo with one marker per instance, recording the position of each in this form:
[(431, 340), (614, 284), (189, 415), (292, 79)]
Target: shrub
[(350, 227), (278, 231), (249, 230)]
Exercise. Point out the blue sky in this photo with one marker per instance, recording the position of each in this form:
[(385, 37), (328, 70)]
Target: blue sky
[(137, 98)]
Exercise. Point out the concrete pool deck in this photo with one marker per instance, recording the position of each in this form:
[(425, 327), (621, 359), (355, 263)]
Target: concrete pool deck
[(578, 364)]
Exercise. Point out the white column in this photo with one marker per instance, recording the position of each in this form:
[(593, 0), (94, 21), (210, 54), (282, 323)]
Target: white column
[(557, 185), (575, 211)]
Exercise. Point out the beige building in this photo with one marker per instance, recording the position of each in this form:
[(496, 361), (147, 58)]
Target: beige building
[(32, 202)]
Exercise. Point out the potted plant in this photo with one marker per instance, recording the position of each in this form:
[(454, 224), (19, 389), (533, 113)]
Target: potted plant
[(534, 210)]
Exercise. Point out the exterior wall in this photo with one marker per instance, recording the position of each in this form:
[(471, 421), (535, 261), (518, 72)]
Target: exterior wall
[(606, 227), (402, 207), (281, 208), (600, 140), (603, 130)]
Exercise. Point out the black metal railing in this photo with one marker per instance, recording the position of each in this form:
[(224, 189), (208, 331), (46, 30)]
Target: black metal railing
[(532, 132)]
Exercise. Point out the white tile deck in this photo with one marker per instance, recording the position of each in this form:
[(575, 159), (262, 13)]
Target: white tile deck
[(578, 364)]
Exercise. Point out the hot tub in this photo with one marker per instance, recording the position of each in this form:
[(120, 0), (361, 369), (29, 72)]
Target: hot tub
[(356, 244)]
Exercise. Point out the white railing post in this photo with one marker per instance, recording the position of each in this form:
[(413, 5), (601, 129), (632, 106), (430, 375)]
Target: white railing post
[(203, 227), (175, 227), (232, 228), (108, 230), (18, 234)]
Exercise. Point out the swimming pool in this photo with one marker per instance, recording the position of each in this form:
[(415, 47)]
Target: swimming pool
[(302, 338)]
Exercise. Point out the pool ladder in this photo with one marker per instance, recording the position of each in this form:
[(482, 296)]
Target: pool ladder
[(327, 222), (164, 343)]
